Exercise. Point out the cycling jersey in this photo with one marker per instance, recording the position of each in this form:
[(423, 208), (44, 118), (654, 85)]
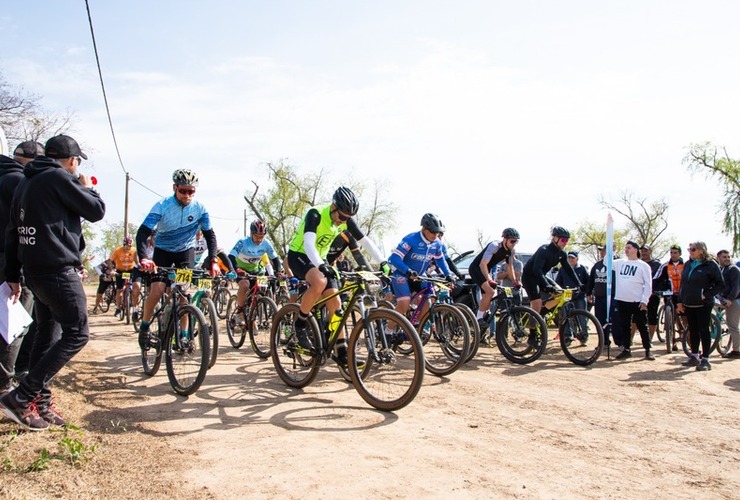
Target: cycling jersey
[(494, 253), (669, 275), (318, 221), (340, 243), (200, 250), (122, 259), (176, 224), (544, 259), (248, 255), (415, 253)]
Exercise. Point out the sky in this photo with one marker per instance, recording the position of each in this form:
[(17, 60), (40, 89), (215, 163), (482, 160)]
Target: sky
[(490, 114)]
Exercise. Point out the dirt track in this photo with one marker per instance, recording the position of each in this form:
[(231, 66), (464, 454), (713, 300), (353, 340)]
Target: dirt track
[(550, 430)]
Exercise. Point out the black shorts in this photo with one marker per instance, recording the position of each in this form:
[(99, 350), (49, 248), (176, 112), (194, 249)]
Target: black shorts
[(530, 285), (182, 260), (652, 310), (300, 264), (477, 276), (119, 277), (103, 285)]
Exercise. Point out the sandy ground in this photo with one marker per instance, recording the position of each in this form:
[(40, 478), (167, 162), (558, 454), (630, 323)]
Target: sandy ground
[(630, 429)]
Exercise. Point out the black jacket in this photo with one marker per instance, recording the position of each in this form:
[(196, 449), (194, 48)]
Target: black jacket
[(11, 174), (45, 231), (698, 287), (566, 281), (731, 275)]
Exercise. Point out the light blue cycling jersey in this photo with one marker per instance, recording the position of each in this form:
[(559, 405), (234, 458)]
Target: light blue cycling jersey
[(415, 253), (249, 255), (177, 224)]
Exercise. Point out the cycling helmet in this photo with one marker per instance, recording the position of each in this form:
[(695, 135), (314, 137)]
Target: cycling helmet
[(185, 177), (560, 232), (345, 201), (510, 232), (258, 227), (432, 223), (128, 241)]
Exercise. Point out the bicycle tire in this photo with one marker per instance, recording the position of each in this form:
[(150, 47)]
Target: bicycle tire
[(475, 334), (381, 377), (659, 330), (296, 366), (187, 363), (110, 296), (445, 338), (237, 333), (720, 336), (513, 330), (221, 300), (355, 317), (667, 318), (208, 308), (151, 358), (587, 341), (126, 305), (686, 343), (259, 323)]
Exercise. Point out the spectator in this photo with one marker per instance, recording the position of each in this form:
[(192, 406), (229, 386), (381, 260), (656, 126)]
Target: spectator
[(596, 291), (11, 174), (730, 299), (700, 282), (565, 280), (646, 254), (49, 261), (633, 286)]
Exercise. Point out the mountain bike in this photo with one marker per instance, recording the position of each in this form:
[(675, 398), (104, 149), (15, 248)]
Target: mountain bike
[(521, 333), (180, 331), (202, 300), (384, 378), (442, 328), (109, 297), (444, 296), (255, 317), (666, 328), (126, 297), (581, 335)]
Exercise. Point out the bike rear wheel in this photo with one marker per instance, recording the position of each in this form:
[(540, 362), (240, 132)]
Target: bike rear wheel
[(383, 378), (110, 296), (581, 337), (521, 335), (259, 323), (126, 305), (208, 308), (221, 300), (151, 358), (235, 330), (720, 336), (295, 366), (475, 334), (445, 336), (660, 330), (187, 358)]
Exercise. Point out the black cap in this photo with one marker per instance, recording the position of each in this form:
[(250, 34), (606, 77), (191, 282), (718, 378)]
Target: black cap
[(63, 146), (646, 247), (573, 253), (29, 149)]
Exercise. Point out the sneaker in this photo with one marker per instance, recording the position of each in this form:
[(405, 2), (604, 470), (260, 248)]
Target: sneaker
[(135, 316), (649, 355), (144, 337), (239, 317), (483, 324), (692, 361), (704, 365), (624, 354), (534, 340), (301, 333), (675, 348), (485, 340), (341, 356), (732, 355), (6, 390), (48, 412), (22, 412)]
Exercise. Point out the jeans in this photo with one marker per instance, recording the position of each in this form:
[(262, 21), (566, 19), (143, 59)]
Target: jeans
[(60, 300), (732, 318)]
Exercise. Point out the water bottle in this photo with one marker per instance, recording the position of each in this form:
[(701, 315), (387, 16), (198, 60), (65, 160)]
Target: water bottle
[(335, 320)]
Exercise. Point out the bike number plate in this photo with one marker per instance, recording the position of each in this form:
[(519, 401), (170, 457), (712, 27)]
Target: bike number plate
[(262, 280), (508, 292), (184, 276), (568, 294), (126, 276), (204, 284)]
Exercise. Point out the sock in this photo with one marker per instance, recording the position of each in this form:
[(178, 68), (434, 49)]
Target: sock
[(301, 319), (479, 314), (145, 324)]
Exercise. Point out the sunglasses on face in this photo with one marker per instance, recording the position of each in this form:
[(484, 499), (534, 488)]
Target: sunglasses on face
[(513, 241), (186, 191), (343, 217), (693, 249), (564, 240)]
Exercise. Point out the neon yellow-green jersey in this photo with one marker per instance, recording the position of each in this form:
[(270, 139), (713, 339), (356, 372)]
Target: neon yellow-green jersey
[(326, 231)]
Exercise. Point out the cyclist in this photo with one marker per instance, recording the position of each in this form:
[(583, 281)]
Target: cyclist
[(668, 277), (484, 264), (124, 260), (646, 254), (247, 257), (412, 258), (176, 218), (308, 250), (105, 273), (343, 241)]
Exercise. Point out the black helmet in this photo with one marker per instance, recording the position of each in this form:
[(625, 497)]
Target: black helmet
[(345, 201), (257, 227), (184, 177), (560, 232), (510, 232), (432, 223)]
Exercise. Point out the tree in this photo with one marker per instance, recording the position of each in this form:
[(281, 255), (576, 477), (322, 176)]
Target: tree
[(112, 238), (646, 221), (715, 163), (588, 235), (23, 118), (289, 195)]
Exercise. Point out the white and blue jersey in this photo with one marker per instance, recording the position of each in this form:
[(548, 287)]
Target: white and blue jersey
[(415, 253), (249, 255), (177, 224)]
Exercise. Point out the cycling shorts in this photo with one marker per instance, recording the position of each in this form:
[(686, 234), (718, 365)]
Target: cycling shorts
[(300, 265), (103, 285), (163, 258), (134, 276), (530, 285), (477, 276), (403, 287)]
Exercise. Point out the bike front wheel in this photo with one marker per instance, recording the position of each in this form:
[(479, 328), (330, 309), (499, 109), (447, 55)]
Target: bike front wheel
[(221, 300), (581, 337), (259, 323), (151, 358), (475, 334), (720, 336), (667, 319), (187, 357), (521, 335), (236, 324), (384, 378), (445, 335), (295, 365)]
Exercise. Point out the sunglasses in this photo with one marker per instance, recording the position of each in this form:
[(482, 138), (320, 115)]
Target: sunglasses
[(513, 241), (564, 240), (693, 249), (343, 217), (186, 191)]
